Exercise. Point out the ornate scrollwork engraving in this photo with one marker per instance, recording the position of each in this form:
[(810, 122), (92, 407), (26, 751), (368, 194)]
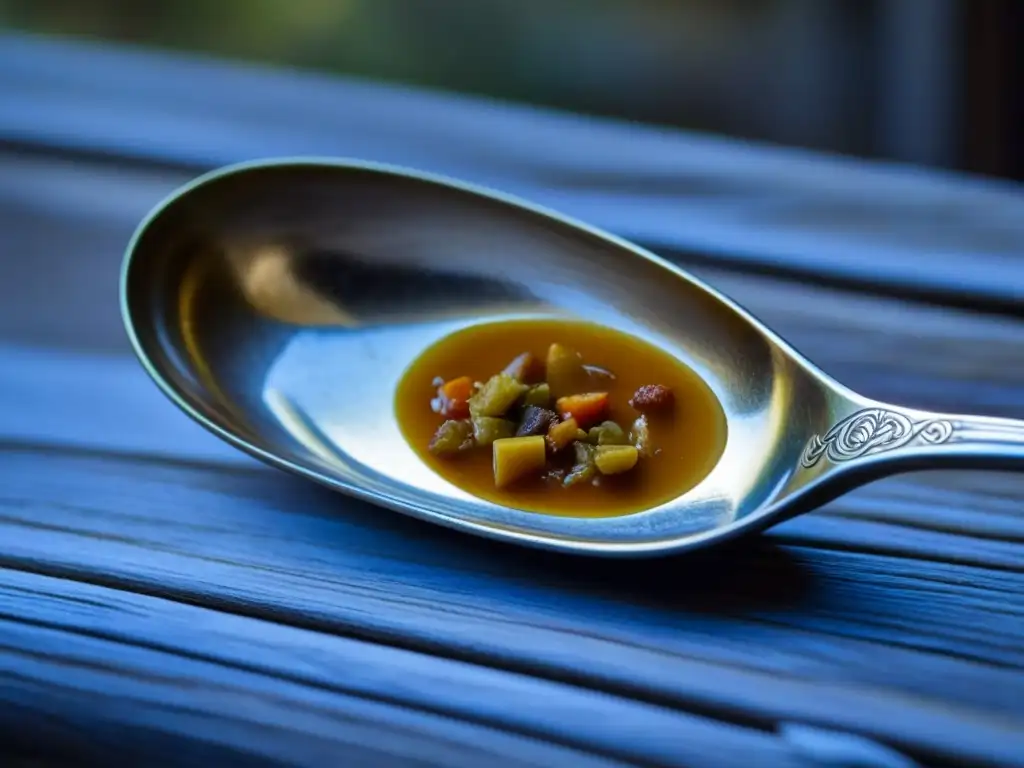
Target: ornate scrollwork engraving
[(873, 430)]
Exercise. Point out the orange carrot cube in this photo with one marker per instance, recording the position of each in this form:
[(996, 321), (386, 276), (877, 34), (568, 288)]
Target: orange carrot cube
[(587, 408), (453, 398)]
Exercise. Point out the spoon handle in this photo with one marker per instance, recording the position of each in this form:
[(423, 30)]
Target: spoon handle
[(891, 439)]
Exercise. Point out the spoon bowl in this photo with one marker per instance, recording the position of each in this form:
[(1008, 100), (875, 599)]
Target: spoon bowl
[(278, 304)]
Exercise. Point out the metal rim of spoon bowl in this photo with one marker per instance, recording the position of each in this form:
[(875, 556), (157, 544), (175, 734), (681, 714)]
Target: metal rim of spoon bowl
[(260, 297)]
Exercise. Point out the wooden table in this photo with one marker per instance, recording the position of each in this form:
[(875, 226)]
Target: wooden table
[(166, 600)]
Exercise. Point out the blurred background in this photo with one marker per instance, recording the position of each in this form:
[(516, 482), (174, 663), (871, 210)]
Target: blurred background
[(929, 82)]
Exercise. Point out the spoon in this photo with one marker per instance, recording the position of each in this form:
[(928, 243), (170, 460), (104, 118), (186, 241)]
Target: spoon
[(278, 303)]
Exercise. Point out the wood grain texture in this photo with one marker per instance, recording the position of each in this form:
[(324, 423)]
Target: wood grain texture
[(919, 655), (63, 229), (271, 690), (950, 236)]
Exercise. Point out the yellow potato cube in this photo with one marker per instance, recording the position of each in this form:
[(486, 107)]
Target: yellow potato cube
[(515, 457), (562, 433), (615, 459)]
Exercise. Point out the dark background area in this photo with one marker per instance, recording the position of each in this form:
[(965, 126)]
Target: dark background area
[(930, 82)]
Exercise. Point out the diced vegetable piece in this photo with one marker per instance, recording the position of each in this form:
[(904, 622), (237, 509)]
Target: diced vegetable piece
[(458, 389), (516, 457), (562, 433), (535, 421), (565, 371), (586, 409), (615, 459), (538, 395), (452, 437), (452, 399), (525, 368), (487, 429), (607, 433), (653, 397), (584, 469), (640, 436), (496, 396)]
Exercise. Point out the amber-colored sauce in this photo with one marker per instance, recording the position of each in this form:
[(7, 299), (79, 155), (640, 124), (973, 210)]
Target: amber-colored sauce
[(690, 440)]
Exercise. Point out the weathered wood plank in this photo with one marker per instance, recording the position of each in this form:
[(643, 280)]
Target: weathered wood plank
[(738, 203), (319, 694), (91, 700), (921, 656), (63, 229)]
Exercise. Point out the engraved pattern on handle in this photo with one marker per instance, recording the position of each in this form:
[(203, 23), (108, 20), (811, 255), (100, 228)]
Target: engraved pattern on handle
[(875, 430)]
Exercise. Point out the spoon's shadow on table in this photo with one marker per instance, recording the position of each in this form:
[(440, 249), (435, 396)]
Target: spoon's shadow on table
[(747, 575), (743, 576)]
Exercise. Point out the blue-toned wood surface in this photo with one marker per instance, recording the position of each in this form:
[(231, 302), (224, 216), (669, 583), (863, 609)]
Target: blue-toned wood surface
[(166, 600)]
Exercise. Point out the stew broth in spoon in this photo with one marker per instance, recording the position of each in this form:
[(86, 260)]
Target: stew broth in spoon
[(560, 417)]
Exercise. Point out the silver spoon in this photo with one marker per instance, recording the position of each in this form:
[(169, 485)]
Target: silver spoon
[(277, 303)]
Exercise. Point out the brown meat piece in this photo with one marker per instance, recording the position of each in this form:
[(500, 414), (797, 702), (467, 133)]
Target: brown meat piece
[(535, 421), (653, 397)]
